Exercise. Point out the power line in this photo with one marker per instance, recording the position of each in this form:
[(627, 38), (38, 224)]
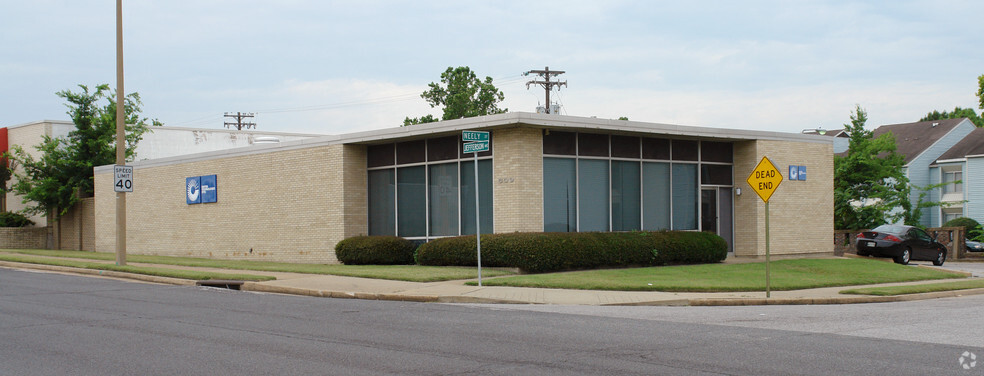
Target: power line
[(239, 116)]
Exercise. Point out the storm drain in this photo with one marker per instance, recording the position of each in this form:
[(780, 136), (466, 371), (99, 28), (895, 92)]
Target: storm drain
[(221, 283)]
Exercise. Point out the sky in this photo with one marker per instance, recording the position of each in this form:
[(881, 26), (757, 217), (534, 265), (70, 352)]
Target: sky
[(332, 67)]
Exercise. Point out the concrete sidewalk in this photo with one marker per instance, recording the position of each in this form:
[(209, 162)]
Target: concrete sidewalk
[(457, 292)]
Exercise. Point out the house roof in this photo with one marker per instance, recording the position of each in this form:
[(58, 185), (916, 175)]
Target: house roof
[(912, 139), (972, 144)]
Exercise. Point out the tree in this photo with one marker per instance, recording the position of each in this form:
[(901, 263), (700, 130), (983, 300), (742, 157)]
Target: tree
[(980, 90), (54, 182), (6, 172), (870, 186), (957, 113), (462, 94)]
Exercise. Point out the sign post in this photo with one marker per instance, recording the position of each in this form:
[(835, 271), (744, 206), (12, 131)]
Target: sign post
[(764, 180), (476, 142)]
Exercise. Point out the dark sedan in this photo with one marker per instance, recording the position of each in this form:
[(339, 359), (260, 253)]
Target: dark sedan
[(902, 243)]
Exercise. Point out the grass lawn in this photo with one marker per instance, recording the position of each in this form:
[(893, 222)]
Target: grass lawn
[(918, 289), (412, 273), (785, 275), (160, 272)]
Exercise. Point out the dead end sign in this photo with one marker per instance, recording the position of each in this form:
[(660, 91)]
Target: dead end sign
[(765, 179)]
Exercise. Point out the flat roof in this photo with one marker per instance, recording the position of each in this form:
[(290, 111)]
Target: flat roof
[(492, 122)]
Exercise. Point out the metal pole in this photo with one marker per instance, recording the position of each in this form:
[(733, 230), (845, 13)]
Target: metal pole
[(478, 224), (768, 284), (120, 138)]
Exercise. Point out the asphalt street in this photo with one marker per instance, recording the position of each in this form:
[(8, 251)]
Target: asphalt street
[(52, 324)]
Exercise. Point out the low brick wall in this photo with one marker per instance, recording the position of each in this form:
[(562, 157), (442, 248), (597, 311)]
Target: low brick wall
[(23, 237), (844, 241)]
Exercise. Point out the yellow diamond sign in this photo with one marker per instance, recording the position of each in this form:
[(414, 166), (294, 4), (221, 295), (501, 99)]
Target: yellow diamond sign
[(765, 179)]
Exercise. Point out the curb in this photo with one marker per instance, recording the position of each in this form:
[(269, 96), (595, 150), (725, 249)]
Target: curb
[(98, 273)]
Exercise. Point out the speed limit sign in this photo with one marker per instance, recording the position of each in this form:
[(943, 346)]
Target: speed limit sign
[(123, 178)]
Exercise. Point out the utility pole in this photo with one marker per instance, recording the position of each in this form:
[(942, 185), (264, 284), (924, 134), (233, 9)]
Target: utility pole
[(120, 139), (546, 83), (239, 116)]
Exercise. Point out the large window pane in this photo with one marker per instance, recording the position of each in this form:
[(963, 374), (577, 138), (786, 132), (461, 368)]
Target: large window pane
[(411, 201), (685, 150), (593, 195), (592, 145), (559, 195), (560, 143), (468, 196), (715, 174), (656, 196), (655, 148), (443, 184), (410, 152), (625, 147), (380, 155), (684, 196), (716, 151), (382, 202), (625, 196), (442, 149)]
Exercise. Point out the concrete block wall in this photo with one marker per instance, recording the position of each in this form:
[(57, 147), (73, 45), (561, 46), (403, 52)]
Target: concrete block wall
[(284, 205), (23, 237), (804, 210), (517, 179)]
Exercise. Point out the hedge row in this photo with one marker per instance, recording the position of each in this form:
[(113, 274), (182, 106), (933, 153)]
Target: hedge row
[(548, 252), (11, 219), (375, 250)]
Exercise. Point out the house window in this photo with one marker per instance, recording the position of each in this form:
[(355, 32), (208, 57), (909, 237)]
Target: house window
[(953, 181)]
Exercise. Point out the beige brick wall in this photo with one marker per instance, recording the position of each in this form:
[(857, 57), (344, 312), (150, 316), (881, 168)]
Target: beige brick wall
[(803, 211), (27, 137), (23, 237), (517, 179), (78, 227), (289, 206)]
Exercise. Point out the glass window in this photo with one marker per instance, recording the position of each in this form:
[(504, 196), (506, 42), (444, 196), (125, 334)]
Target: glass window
[(684, 196), (715, 174), (559, 143), (468, 196), (411, 201), (382, 202), (716, 152), (656, 148), (443, 191), (656, 196), (442, 149), (593, 195), (559, 195), (953, 181), (625, 196), (592, 145), (410, 152), (380, 155), (685, 150), (625, 147)]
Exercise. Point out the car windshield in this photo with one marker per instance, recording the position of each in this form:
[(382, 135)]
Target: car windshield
[(891, 229)]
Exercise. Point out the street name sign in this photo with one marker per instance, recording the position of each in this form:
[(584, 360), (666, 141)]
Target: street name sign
[(475, 147), (765, 179), (468, 136)]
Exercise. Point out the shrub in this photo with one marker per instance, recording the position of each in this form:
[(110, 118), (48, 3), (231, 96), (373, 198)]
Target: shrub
[(11, 219), (972, 227), (547, 252), (375, 250)]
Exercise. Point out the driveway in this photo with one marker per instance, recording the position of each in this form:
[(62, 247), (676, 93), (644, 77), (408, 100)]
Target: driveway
[(965, 266)]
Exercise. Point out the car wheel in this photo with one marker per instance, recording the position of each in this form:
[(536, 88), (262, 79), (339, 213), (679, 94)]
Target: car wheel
[(940, 258), (904, 257)]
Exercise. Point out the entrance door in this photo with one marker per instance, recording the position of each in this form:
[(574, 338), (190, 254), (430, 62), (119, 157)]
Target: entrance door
[(709, 210), (716, 213)]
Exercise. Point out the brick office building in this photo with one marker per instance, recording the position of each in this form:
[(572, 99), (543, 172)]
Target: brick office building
[(294, 201)]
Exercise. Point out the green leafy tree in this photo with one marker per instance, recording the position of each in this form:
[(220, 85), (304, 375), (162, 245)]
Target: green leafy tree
[(957, 113), (462, 95), (980, 90), (6, 172), (870, 186), (52, 183)]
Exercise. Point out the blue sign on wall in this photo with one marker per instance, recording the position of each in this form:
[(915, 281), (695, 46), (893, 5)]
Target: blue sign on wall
[(201, 189), (797, 173), (210, 191), (193, 190)]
